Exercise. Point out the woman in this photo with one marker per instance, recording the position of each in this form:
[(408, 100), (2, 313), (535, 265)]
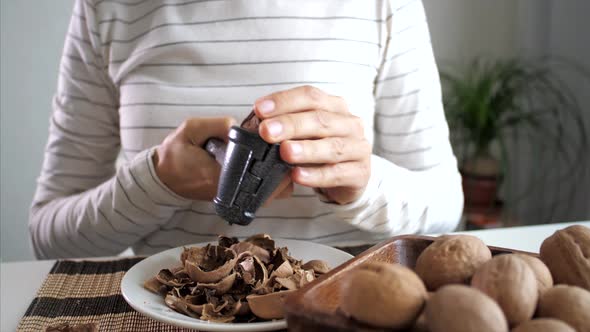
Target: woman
[(350, 88)]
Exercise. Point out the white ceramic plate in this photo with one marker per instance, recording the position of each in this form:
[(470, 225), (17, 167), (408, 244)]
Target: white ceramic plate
[(153, 306)]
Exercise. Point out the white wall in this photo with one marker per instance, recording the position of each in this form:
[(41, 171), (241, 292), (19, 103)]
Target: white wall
[(461, 29), (561, 28), (569, 37), (32, 35)]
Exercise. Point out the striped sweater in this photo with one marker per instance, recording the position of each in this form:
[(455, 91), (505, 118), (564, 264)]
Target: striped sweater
[(133, 70)]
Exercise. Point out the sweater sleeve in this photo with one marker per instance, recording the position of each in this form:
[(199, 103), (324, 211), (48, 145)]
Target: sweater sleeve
[(415, 186), (83, 206)]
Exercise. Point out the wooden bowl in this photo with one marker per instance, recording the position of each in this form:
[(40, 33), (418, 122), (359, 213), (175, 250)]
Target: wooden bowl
[(315, 306)]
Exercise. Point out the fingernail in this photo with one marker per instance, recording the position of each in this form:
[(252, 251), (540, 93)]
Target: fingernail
[(266, 106), (275, 128), (296, 148), (303, 172)]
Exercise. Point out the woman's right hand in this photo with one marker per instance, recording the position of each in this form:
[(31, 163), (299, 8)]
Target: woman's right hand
[(183, 165), (190, 171)]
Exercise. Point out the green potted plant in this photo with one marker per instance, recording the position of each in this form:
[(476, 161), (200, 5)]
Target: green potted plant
[(491, 105)]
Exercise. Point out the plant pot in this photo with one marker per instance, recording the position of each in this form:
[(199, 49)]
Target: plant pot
[(251, 171), (479, 190), (480, 181)]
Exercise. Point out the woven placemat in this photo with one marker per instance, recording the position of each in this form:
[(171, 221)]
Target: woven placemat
[(83, 292), (89, 292)]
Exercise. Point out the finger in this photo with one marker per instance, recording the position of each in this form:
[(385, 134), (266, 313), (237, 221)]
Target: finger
[(198, 130), (298, 99), (353, 174), (342, 195), (283, 186), (287, 192), (200, 192), (311, 124), (326, 150), (187, 170)]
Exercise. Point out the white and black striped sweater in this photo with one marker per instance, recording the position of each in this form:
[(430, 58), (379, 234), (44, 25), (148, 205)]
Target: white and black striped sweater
[(133, 70)]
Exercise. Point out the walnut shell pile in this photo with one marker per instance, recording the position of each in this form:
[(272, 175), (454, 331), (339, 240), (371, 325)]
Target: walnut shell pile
[(234, 281)]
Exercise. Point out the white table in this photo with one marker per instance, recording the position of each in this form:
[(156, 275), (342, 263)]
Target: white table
[(20, 281)]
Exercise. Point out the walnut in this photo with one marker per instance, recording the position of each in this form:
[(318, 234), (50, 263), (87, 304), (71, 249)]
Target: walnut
[(543, 325), (459, 308), (570, 304), (567, 254), (511, 282), (382, 295), (542, 273), (451, 259), (268, 306), (251, 122)]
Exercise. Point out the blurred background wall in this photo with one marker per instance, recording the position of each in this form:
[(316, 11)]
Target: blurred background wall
[(463, 29), (32, 34)]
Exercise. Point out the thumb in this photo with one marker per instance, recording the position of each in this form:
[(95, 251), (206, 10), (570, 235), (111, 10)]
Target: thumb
[(198, 130)]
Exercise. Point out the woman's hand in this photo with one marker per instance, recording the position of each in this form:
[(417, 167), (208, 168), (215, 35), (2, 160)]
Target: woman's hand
[(183, 165), (187, 169), (321, 137)]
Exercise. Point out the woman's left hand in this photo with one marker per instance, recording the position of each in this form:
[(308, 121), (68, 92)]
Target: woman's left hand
[(321, 138)]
